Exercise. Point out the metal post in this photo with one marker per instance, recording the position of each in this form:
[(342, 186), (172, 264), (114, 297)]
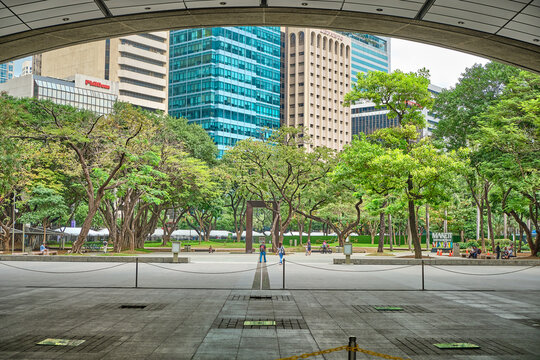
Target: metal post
[(23, 238), (137, 272), (352, 344), (423, 275), (283, 273)]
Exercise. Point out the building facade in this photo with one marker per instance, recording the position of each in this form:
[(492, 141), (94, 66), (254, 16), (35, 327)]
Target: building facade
[(80, 91), (366, 118), (368, 53), (26, 68), (6, 71), (139, 63), (317, 75), (227, 80)]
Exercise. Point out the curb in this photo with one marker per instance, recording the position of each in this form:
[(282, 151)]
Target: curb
[(485, 262), (97, 259)]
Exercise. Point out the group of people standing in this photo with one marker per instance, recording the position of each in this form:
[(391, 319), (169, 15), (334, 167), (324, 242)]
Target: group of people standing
[(262, 252)]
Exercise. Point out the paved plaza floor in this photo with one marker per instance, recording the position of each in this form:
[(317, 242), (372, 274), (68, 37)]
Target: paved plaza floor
[(197, 310)]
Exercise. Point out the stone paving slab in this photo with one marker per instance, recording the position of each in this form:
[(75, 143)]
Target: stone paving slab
[(180, 323)]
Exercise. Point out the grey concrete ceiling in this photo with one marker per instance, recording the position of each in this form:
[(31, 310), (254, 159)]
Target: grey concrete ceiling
[(503, 30)]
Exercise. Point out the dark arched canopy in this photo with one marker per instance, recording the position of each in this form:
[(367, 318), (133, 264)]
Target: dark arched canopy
[(503, 30)]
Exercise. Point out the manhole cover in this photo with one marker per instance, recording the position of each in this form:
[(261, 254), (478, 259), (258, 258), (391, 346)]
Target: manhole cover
[(239, 323), (260, 323), (259, 298), (391, 308), (439, 346), (58, 343)]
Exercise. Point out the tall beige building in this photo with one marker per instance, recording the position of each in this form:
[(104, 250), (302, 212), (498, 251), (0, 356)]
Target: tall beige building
[(317, 75), (139, 63)]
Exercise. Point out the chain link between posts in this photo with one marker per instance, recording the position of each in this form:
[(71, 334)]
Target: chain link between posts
[(63, 272), (476, 274), (206, 273), (341, 348), (352, 271)]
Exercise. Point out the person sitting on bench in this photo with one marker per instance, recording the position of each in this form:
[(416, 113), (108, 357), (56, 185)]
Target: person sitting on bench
[(43, 250)]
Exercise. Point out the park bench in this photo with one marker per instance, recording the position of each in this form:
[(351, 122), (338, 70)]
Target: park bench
[(50, 252)]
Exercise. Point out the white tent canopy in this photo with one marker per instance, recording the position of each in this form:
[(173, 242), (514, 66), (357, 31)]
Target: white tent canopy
[(75, 231)]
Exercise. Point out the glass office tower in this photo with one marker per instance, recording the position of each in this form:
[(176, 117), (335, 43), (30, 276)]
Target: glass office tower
[(369, 53), (227, 80), (6, 71)]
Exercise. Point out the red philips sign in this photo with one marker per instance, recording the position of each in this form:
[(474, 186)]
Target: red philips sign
[(96, 84)]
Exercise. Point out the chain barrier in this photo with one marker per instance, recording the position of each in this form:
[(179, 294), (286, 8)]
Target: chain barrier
[(464, 273), (351, 271), (63, 272), (205, 273), (341, 348)]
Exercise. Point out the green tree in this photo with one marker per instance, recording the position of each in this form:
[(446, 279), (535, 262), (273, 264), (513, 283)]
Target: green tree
[(44, 207), (394, 160), (509, 139)]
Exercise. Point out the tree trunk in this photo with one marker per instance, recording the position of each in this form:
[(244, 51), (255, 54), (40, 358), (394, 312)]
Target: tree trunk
[(412, 222), (483, 242), (427, 225), (409, 234), (380, 248), (490, 224), (301, 231), (505, 231), (309, 230), (92, 210), (390, 232)]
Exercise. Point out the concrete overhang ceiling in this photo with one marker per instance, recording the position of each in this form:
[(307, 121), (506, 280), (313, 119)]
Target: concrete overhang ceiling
[(502, 30)]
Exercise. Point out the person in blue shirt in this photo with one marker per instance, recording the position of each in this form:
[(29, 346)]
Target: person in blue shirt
[(281, 252), (43, 250), (262, 249)]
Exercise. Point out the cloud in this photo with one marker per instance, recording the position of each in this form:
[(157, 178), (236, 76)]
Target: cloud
[(445, 66)]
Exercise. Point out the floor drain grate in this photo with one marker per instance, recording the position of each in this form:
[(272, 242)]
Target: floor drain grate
[(428, 346), (240, 323), (259, 298), (30, 343), (391, 309), (130, 306)]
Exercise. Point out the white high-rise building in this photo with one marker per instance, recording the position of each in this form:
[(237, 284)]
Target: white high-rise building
[(26, 68), (139, 63)]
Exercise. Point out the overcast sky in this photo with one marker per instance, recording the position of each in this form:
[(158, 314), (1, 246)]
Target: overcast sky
[(445, 66)]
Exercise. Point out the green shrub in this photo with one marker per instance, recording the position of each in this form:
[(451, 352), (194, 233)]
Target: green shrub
[(472, 243)]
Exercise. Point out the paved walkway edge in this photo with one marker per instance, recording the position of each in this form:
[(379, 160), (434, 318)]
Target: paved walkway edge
[(106, 259), (427, 262)]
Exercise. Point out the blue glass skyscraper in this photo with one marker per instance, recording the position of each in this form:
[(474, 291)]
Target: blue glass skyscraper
[(6, 72), (368, 53), (227, 80)]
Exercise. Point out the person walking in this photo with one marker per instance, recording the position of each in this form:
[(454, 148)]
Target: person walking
[(262, 250), (308, 248), (281, 252), (498, 251)]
